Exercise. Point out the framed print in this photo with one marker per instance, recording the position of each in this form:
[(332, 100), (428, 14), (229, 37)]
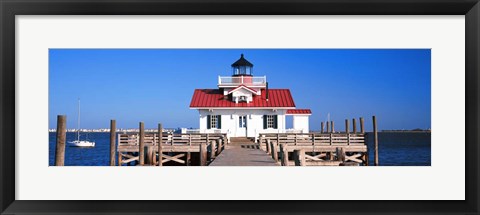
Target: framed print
[(271, 106)]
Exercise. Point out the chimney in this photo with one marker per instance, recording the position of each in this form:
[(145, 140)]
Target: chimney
[(267, 91)]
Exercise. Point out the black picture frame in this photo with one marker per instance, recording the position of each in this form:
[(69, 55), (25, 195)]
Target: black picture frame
[(10, 8)]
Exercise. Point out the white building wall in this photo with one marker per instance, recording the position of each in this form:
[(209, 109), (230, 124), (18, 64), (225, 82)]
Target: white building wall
[(300, 122), (230, 121)]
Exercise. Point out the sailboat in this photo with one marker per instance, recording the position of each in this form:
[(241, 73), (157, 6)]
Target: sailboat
[(78, 142)]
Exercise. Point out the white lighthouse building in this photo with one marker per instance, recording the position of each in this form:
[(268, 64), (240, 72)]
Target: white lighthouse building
[(244, 106)]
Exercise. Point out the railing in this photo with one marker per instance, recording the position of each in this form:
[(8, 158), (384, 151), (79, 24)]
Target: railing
[(180, 144), (245, 80), (316, 139), (319, 149)]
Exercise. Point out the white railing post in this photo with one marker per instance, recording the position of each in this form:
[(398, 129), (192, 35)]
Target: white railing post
[(242, 79)]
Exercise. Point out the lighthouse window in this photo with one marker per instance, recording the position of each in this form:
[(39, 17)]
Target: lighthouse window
[(270, 121), (213, 121)]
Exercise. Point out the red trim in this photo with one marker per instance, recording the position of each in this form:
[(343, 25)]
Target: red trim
[(214, 98), (299, 111)]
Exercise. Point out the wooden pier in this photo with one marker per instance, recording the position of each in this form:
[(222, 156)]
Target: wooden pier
[(326, 148)]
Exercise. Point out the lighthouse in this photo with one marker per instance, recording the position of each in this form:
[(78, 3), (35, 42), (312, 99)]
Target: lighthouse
[(242, 105)]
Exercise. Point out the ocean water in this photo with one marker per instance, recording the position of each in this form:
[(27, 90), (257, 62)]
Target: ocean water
[(395, 149), (401, 148)]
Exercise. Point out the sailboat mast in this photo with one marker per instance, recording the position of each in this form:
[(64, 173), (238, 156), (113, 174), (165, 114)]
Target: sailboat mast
[(78, 123)]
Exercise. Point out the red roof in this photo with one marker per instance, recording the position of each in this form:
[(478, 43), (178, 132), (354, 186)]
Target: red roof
[(214, 98), (299, 111)]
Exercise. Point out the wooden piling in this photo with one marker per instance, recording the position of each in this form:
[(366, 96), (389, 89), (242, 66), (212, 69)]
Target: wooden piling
[(375, 139), (213, 146), (299, 156), (141, 145), (321, 127), (340, 154), (328, 127), (203, 154), (160, 152), (61, 138), (149, 160), (362, 126), (274, 147), (113, 129), (188, 158), (220, 146), (354, 123), (260, 141), (154, 156), (119, 160), (278, 138), (268, 146), (284, 153), (332, 126), (347, 131)]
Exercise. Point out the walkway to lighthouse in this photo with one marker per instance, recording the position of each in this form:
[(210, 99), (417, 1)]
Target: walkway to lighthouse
[(243, 153)]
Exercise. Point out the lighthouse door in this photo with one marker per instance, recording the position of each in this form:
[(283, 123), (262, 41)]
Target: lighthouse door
[(242, 126)]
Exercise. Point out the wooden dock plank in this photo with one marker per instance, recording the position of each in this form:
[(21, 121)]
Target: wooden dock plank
[(236, 155)]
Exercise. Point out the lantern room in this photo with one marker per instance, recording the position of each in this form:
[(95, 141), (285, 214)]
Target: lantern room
[(242, 67)]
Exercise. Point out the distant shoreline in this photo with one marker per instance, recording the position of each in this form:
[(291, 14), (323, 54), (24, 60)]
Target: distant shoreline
[(406, 131)]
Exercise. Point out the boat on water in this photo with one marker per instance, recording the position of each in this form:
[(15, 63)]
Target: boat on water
[(78, 142)]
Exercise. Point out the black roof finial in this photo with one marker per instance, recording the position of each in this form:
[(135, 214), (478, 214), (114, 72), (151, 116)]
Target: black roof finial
[(242, 62)]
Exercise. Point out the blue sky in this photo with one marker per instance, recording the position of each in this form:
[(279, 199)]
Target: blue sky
[(156, 85)]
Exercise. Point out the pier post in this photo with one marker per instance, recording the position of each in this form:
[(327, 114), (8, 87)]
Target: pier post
[(299, 155), (274, 151), (347, 131), (268, 146), (120, 160), (328, 126), (61, 138), (362, 127), (203, 154), (188, 158), (160, 152), (141, 145), (213, 147), (354, 123), (219, 146), (340, 151), (321, 127), (260, 141), (149, 160), (284, 153), (332, 126), (375, 139), (113, 132)]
